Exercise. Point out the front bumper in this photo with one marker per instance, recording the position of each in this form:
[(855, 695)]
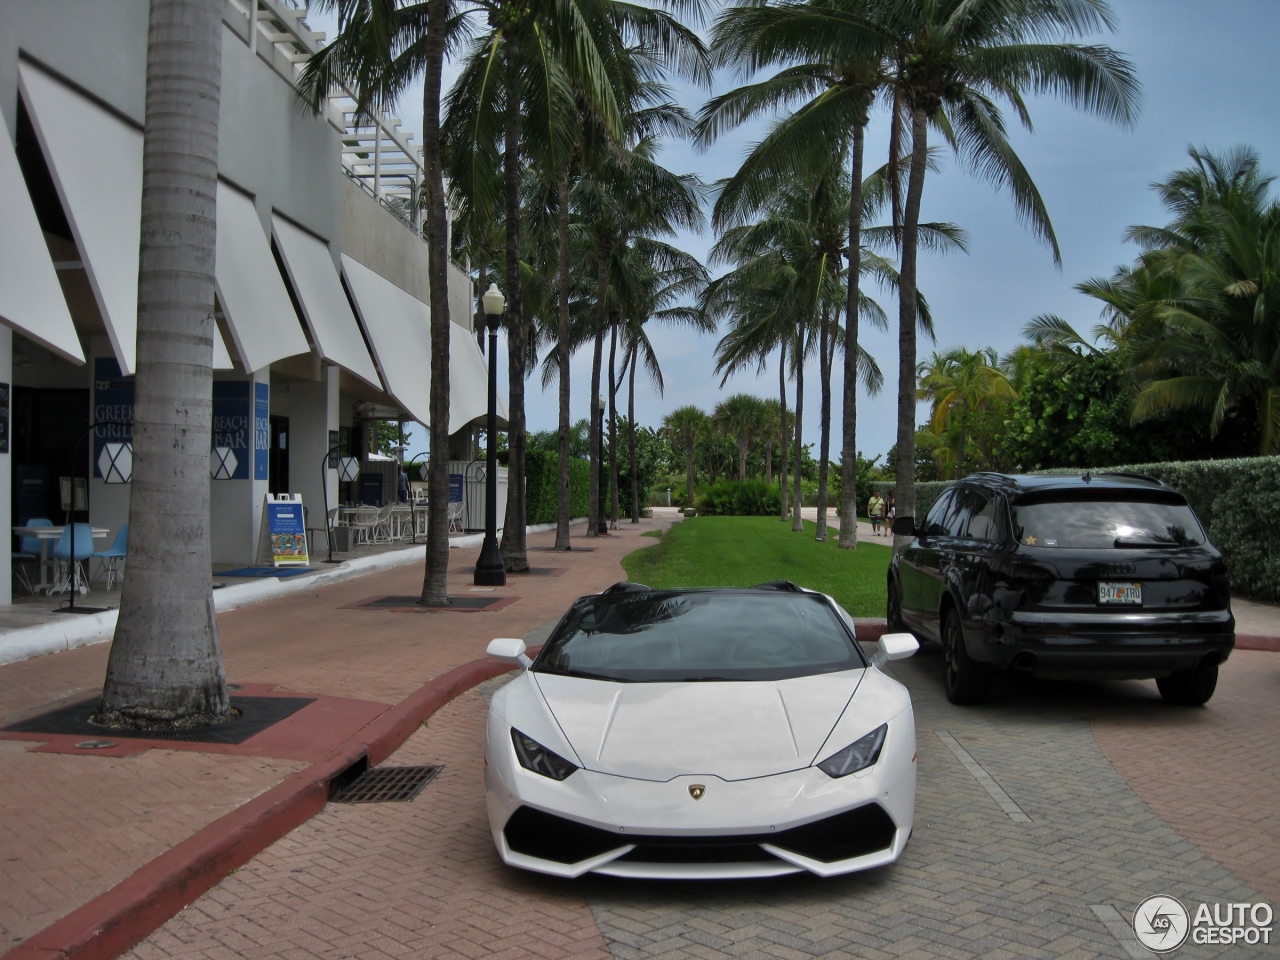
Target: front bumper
[(794, 822), (1131, 645)]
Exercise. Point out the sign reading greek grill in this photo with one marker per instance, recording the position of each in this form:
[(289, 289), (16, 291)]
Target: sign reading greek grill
[(112, 400)]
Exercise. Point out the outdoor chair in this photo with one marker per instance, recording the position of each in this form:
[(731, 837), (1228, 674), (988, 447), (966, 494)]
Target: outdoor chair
[(363, 523), (29, 551), (109, 560), (455, 518), (382, 531), (72, 550)]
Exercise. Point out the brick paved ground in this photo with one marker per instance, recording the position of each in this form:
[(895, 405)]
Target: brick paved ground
[(972, 883), (73, 826)]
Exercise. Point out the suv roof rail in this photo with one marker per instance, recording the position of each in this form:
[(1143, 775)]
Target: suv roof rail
[(1131, 476), (781, 585)]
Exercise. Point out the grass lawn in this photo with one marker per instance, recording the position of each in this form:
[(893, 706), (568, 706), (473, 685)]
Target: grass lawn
[(744, 551)]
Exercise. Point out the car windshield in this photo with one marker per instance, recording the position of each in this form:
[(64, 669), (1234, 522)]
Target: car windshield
[(713, 635), (1106, 524)]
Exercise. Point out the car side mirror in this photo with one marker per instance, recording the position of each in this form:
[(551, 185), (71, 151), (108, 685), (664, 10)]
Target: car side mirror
[(895, 646), (904, 526), (509, 650)]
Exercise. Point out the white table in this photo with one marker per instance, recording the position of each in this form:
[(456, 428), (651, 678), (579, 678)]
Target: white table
[(46, 535)]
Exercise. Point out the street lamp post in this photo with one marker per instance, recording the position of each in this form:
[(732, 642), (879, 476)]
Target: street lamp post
[(602, 523), (490, 571)]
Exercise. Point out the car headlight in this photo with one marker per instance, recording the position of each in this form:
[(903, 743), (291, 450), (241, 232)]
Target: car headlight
[(537, 758), (858, 755)]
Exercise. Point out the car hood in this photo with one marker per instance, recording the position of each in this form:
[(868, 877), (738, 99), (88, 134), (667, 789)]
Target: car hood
[(727, 729)]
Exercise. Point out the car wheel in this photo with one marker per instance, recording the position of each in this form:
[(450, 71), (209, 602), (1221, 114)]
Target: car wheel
[(893, 610), (1190, 688), (964, 680)]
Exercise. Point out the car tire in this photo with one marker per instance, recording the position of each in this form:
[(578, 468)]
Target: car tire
[(1190, 688), (893, 609), (964, 680)]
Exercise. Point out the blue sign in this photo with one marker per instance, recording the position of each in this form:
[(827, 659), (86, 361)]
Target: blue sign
[(231, 423), (455, 488), (286, 525), (112, 400), (261, 430)]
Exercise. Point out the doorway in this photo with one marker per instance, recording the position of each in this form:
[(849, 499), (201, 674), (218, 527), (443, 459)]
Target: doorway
[(278, 457)]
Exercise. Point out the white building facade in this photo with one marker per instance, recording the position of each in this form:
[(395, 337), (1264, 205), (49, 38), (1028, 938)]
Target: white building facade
[(322, 290)]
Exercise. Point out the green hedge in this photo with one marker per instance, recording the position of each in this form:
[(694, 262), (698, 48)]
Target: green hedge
[(542, 472), (1238, 501), (739, 498)]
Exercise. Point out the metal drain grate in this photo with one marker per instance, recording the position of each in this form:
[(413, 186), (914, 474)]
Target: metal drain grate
[(387, 784)]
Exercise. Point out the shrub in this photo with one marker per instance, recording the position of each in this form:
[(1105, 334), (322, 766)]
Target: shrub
[(542, 472), (739, 498)]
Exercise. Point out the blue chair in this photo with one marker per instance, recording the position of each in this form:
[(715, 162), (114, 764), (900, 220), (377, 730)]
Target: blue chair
[(29, 549), (64, 556), (113, 556)]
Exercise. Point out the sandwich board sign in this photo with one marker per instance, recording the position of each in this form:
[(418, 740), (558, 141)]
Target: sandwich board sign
[(286, 529)]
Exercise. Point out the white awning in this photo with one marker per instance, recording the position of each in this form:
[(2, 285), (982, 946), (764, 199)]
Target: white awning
[(324, 304), (399, 329), (259, 314), (31, 297), (96, 162)]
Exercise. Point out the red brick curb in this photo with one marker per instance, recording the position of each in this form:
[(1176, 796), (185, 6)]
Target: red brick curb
[(125, 915)]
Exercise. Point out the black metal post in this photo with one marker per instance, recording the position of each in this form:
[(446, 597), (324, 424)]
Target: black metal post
[(602, 522), (71, 512), (324, 487), (490, 571)]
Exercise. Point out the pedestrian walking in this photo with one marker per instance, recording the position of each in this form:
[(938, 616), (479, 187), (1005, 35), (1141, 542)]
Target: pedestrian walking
[(890, 511), (876, 508)]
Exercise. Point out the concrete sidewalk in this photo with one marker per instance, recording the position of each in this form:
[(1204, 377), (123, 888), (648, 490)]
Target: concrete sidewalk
[(75, 822)]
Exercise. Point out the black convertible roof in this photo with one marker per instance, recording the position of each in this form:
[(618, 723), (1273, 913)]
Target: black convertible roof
[(1015, 484)]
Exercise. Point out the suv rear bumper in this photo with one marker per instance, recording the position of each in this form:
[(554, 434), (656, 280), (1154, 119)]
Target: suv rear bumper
[(1114, 646)]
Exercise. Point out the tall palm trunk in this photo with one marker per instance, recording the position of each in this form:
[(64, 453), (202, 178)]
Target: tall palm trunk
[(593, 433), (744, 442), (631, 439), (849, 430), (613, 426), (166, 662), (826, 353), (435, 581), (688, 473), (906, 489), (797, 495), (514, 554), (562, 363), (782, 435)]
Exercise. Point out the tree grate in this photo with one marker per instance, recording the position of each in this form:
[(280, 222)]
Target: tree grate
[(387, 784)]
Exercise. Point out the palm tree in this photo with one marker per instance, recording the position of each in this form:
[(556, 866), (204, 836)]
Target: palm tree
[(741, 416), (952, 60), (684, 426), (165, 666), (958, 383), (381, 48)]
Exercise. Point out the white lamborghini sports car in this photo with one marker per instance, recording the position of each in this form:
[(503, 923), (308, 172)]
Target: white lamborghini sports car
[(701, 734)]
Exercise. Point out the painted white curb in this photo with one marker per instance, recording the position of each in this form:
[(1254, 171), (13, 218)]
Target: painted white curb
[(69, 632)]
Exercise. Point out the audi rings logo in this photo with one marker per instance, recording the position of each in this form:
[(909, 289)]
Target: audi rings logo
[(1161, 924)]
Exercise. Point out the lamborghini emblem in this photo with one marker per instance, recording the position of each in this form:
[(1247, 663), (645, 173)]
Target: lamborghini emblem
[(697, 791)]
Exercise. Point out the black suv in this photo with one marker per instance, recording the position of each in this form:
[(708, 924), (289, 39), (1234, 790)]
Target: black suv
[(1108, 576)]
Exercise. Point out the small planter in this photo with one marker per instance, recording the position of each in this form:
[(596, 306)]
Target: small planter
[(646, 513), (690, 512)]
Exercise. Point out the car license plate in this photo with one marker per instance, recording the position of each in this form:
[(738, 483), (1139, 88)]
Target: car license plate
[(1120, 593)]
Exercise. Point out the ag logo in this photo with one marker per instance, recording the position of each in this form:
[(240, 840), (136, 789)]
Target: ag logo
[(1161, 924), (697, 790)]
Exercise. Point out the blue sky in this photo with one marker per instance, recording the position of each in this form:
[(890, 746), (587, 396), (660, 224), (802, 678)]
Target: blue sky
[(1210, 75)]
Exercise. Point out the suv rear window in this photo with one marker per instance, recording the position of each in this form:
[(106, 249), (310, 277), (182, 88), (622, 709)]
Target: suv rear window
[(1105, 524)]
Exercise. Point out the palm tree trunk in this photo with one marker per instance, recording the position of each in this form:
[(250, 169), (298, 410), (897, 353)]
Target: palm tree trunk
[(166, 661), (768, 461), (849, 429), (743, 444), (782, 446), (435, 579), (631, 438), (906, 490), (613, 427), (797, 495), (514, 554), (826, 353), (562, 363), (688, 474), (593, 433)]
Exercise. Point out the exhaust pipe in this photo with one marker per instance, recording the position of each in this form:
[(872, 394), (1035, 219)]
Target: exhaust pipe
[(1023, 662)]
